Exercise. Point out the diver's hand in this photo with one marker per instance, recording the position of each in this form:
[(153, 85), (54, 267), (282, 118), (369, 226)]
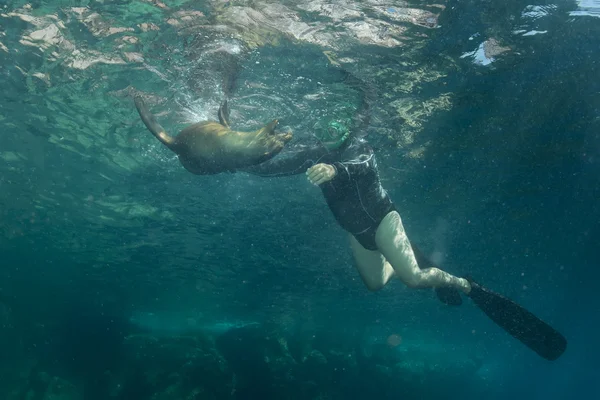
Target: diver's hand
[(320, 173)]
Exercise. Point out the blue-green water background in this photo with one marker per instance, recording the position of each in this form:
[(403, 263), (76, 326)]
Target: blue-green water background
[(101, 225)]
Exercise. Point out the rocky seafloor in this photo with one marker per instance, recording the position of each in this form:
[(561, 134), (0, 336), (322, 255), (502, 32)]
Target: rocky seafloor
[(102, 358)]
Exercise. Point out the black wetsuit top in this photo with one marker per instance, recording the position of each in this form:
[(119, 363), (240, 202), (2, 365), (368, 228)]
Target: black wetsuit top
[(355, 195)]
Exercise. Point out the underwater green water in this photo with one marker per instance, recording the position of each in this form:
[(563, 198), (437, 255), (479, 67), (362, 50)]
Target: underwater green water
[(123, 276)]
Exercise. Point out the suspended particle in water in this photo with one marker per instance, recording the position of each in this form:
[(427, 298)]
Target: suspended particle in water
[(394, 340)]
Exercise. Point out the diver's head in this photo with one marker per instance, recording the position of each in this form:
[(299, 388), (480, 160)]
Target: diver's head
[(333, 134)]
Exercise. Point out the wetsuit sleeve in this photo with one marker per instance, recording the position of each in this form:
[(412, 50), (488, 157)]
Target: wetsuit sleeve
[(361, 165), (290, 162)]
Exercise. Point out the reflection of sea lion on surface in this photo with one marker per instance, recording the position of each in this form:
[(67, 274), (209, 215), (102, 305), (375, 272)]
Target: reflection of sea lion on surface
[(210, 147)]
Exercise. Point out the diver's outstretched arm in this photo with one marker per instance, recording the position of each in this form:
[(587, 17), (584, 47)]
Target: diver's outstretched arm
[(291, 161)]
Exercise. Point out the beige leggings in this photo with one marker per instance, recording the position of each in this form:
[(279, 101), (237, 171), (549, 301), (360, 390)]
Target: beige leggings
[(395, 257)]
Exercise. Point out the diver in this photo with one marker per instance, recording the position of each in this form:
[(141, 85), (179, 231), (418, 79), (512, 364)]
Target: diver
[(345, 168)]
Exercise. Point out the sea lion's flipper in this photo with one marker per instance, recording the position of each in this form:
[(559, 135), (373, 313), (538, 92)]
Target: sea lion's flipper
[(269, 129), (519, 322), (224, 114), (151, 123)]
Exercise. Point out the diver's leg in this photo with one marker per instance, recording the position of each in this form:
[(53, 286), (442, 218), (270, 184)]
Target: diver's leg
[(374, 270), (393, 243)]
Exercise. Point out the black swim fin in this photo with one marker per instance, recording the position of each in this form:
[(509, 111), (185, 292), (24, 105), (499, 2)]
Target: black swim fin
[(449, 296), (518, 322)]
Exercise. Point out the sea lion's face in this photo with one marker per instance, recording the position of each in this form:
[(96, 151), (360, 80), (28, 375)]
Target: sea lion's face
[(274, 143), (264, 143)]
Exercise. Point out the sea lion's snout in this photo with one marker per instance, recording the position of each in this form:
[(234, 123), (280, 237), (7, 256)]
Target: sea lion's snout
[(278, 141), (286, 137)]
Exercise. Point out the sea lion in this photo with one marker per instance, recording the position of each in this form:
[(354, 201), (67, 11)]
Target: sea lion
[(209, 147)]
